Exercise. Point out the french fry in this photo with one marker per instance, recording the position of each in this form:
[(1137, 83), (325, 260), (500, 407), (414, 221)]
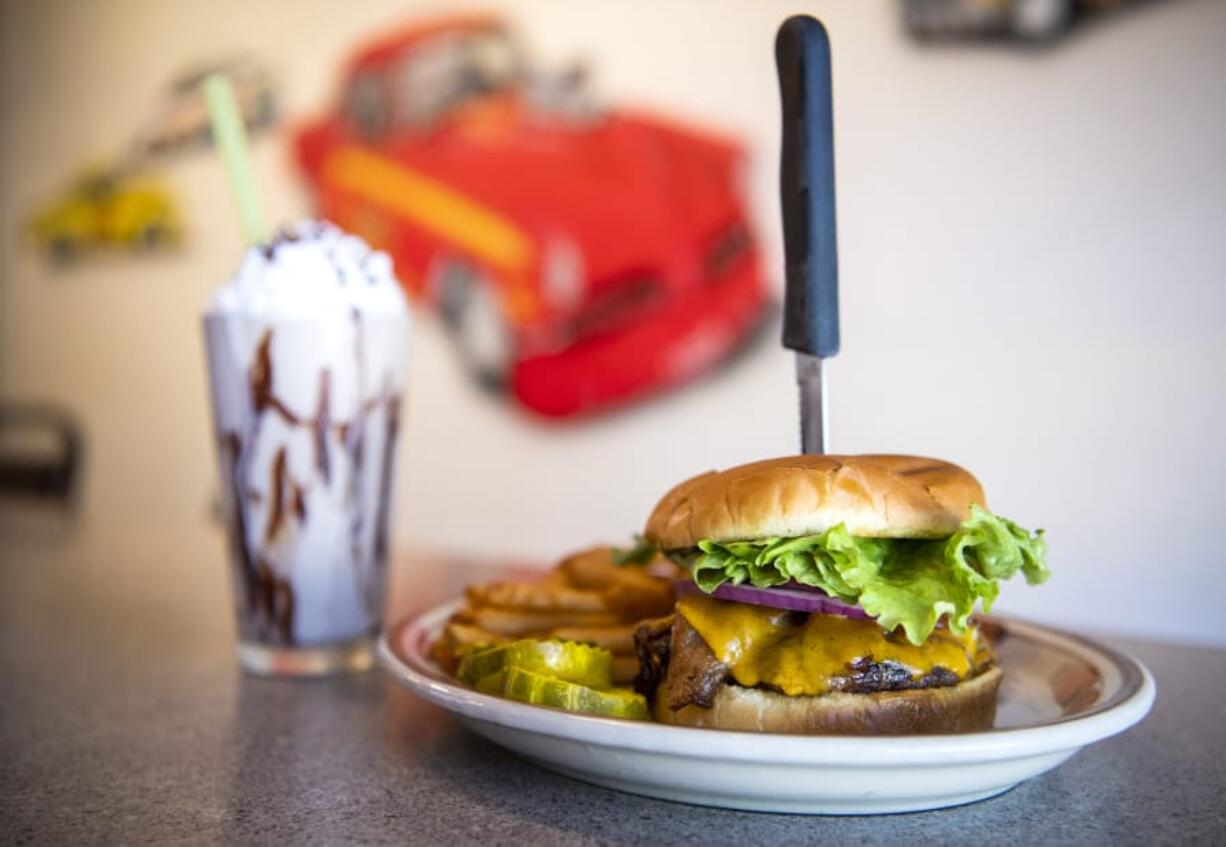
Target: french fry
[(635, 599), (544, 596), (461, 638), (615, 639), (520, 623), (597, 568), (588, 598), (629, 589), (458, 639), (632, 590), (625, 669), (594, 568)]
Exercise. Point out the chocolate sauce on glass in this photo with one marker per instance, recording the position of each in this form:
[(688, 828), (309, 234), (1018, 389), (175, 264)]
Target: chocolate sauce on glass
[(267, 611)]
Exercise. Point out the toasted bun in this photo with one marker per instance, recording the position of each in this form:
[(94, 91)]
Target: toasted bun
[(874, 496), (966, 707)]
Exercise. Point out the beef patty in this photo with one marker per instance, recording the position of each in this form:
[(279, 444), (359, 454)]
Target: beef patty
[(673, 646)]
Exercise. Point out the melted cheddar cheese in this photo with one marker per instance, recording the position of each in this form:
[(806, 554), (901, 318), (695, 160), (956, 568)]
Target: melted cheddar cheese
[(761, 646)]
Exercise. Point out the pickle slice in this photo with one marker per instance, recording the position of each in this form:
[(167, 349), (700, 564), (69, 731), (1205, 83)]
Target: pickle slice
[(492, 683), (529, 687), (564, 660)]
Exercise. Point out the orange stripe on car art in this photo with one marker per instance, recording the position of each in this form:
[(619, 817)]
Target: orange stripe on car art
[(431, 205)]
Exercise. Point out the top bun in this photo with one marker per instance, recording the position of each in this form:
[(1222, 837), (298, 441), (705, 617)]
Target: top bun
[(874, 496)]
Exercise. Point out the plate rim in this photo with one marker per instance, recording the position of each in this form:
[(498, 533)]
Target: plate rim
[(1128, 707)]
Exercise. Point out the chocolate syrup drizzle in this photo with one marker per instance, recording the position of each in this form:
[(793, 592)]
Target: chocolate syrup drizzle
[(270, 602)]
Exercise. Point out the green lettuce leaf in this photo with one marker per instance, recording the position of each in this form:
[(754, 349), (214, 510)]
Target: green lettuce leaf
[(901, 582), (640, 554)]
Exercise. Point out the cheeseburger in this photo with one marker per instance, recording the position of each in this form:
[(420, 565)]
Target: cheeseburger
[(831, 594)]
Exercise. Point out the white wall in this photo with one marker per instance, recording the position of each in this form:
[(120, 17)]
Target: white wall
[(1033, 252)]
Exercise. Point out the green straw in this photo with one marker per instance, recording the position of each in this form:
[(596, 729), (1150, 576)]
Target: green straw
[(231, 140)]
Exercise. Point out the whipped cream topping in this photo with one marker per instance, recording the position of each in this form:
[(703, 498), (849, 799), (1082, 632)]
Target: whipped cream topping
[(312, 270)]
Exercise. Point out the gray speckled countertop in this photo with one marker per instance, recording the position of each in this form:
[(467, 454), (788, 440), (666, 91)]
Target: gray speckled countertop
[(124, 719)]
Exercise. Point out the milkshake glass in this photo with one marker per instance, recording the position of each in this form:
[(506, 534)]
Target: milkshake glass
[(307, 352)]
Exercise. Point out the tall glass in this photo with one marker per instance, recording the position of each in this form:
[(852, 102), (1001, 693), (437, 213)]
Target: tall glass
[(306, 410)]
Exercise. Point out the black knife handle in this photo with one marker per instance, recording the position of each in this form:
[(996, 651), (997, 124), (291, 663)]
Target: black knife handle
[(806, 187)]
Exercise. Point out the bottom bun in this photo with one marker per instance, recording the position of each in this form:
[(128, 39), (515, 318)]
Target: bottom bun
[(966, 707)]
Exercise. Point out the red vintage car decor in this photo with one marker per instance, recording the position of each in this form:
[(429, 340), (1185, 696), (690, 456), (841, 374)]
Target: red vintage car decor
[(579, 257)]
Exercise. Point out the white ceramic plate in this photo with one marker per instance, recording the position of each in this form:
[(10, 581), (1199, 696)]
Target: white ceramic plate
[(1060, 693)]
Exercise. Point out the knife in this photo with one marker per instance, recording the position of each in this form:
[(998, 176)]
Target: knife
[(806, 188)]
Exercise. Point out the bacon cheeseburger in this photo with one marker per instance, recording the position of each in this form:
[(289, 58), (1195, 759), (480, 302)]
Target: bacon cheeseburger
[(831, 594)]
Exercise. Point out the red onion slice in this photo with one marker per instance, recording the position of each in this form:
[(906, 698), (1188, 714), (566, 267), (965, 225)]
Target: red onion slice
[(793, 597)]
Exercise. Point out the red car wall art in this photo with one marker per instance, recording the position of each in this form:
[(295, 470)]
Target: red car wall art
[(579, 257)]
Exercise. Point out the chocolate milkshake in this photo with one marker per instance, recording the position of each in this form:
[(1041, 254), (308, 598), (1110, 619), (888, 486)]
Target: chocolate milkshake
[(307, 350)]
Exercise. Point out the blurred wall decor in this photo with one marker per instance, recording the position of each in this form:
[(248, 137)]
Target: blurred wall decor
[(1023, 21), (41, 450), (181, 122), (116, 205), (125, 204), (580, 257)]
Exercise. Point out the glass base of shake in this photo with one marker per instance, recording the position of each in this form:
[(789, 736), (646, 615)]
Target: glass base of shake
[(307, 351)]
